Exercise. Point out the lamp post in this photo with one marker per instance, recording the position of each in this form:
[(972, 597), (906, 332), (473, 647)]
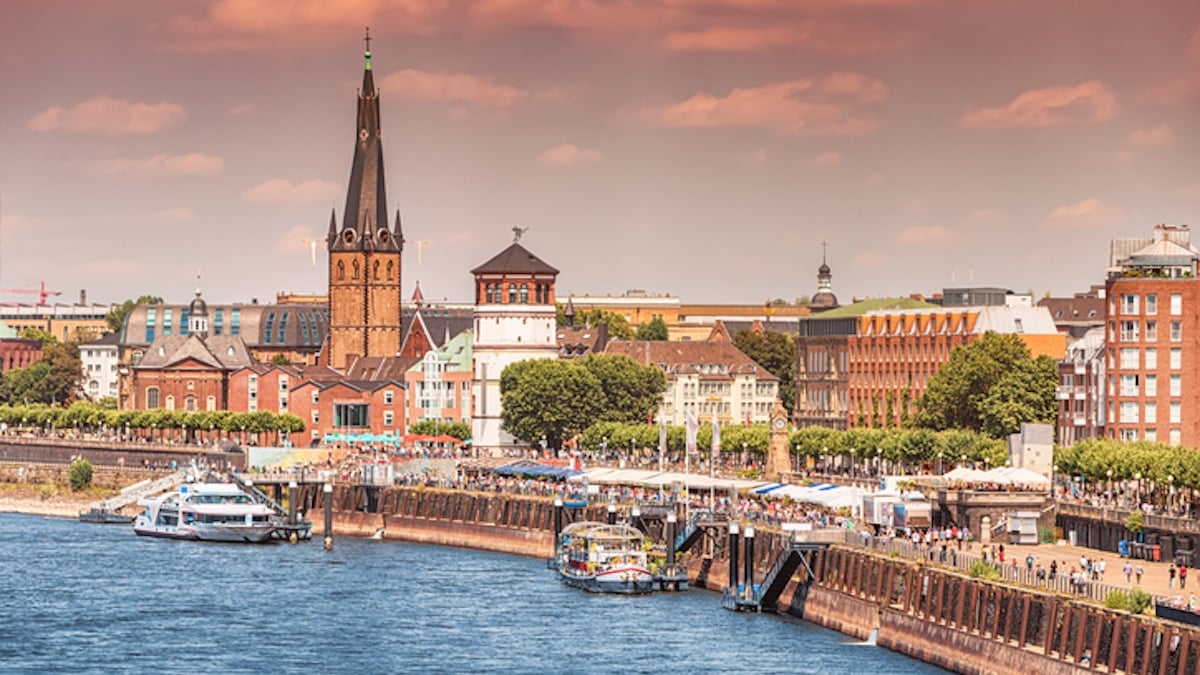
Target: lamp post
[(962, 460), (879, 461), (1109, 486), (940, 455), (604, 449), (743, 454), (853, 457), (1137, 490), (1170, 490)]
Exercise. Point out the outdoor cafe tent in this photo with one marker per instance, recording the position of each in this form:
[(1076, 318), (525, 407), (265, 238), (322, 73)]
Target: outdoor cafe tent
[(1015, 476)]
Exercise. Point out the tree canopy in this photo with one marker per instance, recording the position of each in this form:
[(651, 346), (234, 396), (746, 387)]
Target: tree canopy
[(777, 353), (656, 330), (618, 327), (116, 316), (459, 430), (558, 399), (991, 385), (56, 378)]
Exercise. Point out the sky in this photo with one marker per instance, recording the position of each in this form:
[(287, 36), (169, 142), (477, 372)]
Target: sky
[(698, 148)]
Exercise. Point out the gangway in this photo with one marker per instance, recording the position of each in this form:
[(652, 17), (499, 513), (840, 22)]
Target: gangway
[(701, 523), (801, 548), (106, 511)]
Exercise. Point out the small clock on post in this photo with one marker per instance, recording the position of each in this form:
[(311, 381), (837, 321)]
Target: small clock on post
[(779, 462)]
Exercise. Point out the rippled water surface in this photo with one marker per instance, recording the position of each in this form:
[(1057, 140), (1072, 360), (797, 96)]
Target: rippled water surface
[(77, 597)]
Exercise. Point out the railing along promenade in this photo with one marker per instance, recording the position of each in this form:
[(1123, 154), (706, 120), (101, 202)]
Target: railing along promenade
[(98, 444), (1116, 516)]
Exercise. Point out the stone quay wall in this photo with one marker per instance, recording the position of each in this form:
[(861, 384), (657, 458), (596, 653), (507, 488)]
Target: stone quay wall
[(933, 614)]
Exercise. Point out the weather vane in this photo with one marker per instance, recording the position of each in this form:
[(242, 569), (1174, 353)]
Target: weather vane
[(517, 232)]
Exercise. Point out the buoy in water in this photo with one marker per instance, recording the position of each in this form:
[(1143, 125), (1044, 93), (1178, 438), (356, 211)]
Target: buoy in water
[(293, 537), (328, 543)]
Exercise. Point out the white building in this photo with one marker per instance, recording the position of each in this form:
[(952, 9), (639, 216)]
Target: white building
[(514, 321), (100, 367)]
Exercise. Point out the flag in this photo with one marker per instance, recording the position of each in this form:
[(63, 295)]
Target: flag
[(716, 437), (693, 425)]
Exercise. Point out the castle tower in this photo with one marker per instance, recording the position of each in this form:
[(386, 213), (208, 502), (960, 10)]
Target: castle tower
[(824, 297), (364, 255), (515, 320)]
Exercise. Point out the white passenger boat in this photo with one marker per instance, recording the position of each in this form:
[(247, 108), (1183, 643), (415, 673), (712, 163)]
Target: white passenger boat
[(208, 512), (604, 558)]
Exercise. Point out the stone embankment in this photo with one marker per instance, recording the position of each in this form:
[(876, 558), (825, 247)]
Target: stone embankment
[(934, 614)]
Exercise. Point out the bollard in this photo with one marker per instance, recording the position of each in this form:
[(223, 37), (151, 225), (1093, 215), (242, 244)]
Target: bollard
[(558, 516), (733, 556), (635, 514), (612, 513), (291, 502), (670, 539), (328, 517), (748, 539)]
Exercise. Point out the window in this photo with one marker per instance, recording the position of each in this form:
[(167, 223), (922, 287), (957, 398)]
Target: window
[(189, 403), (218, 321), (1176, 331), (1018, 327), (1129, 385), (1151, 331), (1151, 303), (351, 414), (1176, 304), (315, 397), (1129, 304), (1129, 359), (151, 398), (1152, 435), (1151, 412), (524, 300), (1175, 437), (211, 404), (512, 294), (170, 402), (1152, 385), (235, 322), (316, 416), (283, 384), (166, 322), (1129, 331), (1151, 359), (1176, 358), (388, 417), (1129, 434), (270, 326), (1129, 412), (1176, 385), (388, 397), (1176, 412)]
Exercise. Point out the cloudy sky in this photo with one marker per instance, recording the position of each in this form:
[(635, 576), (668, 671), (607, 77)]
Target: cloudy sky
[(701, 148)]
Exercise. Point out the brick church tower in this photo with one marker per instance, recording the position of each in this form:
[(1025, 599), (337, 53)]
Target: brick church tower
[(364, 255)]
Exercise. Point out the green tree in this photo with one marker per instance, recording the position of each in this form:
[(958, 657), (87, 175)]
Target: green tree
[(549, 398), (80, 474), (116, 316), (459, 430), (777, 353), (1025, 394), (655, 330), (630, 391), (56, 378), (956, 395), (618, 327), (43, 336), (281, 360)]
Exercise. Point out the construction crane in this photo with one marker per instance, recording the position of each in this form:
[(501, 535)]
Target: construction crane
[(41, 292)]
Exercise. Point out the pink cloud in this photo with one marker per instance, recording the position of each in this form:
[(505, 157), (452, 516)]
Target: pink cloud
[(107, 115), (282, 191), (456, 87), (734, 39), (574, 14), (1172, 92), (190, 164), (1089, 213), (1150, 138), (831, 106), (1049, 107), (828, 158), (567, 155), (924, 235)]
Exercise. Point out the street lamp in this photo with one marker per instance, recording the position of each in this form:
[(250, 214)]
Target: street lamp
[(604, 449), (1109, 474), (853, 455), (879, 461), (1137, 489), (940, 455)]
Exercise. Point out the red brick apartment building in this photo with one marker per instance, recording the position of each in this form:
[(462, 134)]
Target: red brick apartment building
[(1153, 338)]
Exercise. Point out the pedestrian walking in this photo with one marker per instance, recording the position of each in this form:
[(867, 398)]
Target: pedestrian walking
[(1171, 572), (1128, 571), (1183, 576), (1137, 572)]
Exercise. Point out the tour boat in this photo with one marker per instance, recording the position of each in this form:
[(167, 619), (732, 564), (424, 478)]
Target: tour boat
[(603, 558), (207, 512)]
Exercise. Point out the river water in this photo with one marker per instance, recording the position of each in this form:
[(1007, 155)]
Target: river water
[(77, 597)]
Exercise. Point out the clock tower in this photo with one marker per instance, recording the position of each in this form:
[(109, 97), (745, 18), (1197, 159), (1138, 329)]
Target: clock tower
[(779, 462)]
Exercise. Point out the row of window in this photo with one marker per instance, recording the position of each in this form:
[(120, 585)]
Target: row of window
[(235, 326), (1130, 331), (1130, 358), (189, 401), (1175, 436), (1130, 412), (1130, 303), (1131, 385), (517, 293)]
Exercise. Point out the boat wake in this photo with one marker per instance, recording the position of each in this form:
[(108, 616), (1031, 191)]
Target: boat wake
[(870, 641)]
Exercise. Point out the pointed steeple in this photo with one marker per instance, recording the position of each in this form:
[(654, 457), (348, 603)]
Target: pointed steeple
[(332, 236), (364, 220), (398, 231), (569, 311)]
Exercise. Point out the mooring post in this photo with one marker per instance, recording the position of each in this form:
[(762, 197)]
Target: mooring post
[(733, 556), (748, 538), (291, 502), (328, 516), (635, 514), (671, 539), (612, 513), (558, 516)]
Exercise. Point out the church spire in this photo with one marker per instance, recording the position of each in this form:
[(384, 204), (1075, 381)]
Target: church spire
[(364, 221)]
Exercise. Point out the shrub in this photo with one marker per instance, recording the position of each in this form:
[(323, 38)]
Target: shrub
[(982, 570), (1117, 600), (1139, 600), (80, 474), (1135, 520)]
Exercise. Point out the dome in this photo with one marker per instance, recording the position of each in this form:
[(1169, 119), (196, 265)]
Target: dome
[(823, 300), (198, 306), (823, 269)]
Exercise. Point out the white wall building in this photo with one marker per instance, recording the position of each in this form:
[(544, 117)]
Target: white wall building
[(100, 367)]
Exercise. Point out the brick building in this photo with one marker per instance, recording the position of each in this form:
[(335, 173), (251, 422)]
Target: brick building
[(1153, 341), (1081, 404), (894, 353), (350, 407)]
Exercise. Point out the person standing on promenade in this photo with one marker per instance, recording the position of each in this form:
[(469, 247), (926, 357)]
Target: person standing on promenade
[(1137, 572), (1183, 576), (1128, 572), (1171, 576)]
